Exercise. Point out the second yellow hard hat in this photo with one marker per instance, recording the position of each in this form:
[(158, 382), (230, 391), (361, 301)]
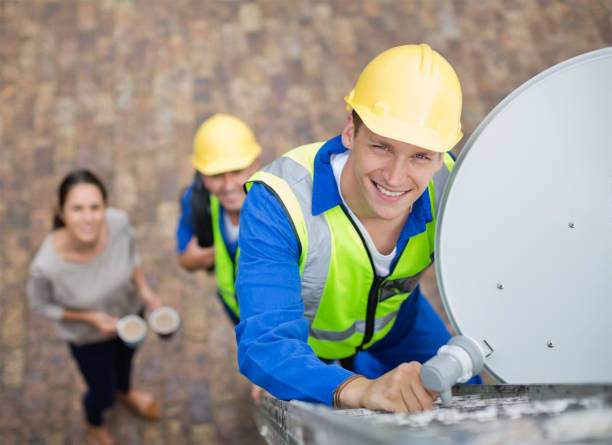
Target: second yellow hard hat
[(224, 143), (410, 93)]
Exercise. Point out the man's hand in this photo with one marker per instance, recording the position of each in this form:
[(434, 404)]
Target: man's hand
[(256, 393), (103, 322), (195, 257), (400, 390)]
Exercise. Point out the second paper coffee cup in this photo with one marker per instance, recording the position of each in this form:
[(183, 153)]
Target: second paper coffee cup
[(164, 321)]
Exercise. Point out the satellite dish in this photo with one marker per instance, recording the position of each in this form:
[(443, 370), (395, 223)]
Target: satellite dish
[(524, 238)]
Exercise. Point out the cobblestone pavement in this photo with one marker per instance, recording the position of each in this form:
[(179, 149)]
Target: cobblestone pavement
[(120, 86)]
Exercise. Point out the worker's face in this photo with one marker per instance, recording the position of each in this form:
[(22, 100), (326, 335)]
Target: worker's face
[(383, 177), (83, 212), (227, 187)]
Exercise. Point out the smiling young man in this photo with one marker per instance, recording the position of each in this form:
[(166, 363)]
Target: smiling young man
[(335, 236), (225, 155)]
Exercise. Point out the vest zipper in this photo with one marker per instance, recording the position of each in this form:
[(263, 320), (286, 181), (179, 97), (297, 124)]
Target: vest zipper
[(371, 312), (373, 294)]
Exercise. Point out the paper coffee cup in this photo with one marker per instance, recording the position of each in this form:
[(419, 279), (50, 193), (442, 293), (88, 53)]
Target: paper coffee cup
[(132, 329), (164, 321)]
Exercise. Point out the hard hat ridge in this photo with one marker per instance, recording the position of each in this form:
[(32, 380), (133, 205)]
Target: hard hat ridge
[(427, 60)]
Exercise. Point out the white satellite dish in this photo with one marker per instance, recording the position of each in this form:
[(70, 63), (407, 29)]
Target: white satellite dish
[(524, 239)]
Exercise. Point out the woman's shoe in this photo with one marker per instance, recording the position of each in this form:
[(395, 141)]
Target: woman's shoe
[(141, 403), (99, 435)]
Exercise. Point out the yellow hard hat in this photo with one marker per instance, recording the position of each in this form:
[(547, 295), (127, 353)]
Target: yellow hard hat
[(410, 93), (224, 143)]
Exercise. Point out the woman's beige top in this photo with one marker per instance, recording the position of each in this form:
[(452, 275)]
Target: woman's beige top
[(103, 283)]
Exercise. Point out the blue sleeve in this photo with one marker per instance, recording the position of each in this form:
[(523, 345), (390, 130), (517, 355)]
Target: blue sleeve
[(272, 336), (184, 229)]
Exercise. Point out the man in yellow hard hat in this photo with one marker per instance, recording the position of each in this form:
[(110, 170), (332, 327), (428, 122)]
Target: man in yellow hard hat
[(335, 236), (225, 154)]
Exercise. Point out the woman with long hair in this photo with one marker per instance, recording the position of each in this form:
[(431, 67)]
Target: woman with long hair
[(85, 277)]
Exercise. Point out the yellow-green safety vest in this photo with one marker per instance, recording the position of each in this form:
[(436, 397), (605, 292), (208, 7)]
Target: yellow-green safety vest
[(225, 266), (347, 306)]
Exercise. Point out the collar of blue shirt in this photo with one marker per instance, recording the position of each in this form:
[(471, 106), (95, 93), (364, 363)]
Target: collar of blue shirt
[(325, 191)]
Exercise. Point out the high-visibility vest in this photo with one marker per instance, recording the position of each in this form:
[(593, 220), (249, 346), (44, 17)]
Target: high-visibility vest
[(225, 265), (347, 306)]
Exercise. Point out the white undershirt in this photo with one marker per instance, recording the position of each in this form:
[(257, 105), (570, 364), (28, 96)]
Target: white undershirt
[(382, 263), (231, 231)]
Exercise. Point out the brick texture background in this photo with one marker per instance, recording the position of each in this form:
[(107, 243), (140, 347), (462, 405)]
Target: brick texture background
[(119, 86)]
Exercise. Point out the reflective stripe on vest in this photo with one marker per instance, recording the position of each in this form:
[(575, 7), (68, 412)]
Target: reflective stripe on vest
[(337, 273), (225, 268)]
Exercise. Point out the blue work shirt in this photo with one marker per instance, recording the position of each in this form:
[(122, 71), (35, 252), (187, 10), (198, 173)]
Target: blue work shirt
[(272, 337), (185, 231)]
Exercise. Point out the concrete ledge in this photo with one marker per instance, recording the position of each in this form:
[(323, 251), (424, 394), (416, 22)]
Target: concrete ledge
[(526, 414)]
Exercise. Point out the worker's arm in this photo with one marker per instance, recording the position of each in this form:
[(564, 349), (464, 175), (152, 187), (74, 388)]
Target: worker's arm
[(195, 257), (191, 256), (273, 350)]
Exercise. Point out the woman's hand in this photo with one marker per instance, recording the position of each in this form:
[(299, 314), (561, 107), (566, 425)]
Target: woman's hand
[(106, 324), (145, 293), (151, 300)]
